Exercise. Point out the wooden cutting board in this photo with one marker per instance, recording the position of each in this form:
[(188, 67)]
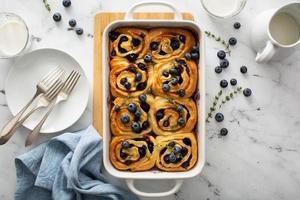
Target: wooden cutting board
[(100, 22)]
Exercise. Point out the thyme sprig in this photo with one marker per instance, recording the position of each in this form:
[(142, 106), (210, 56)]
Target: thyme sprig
[(47, 5), (230, 96), (219, 39), (212, 109)]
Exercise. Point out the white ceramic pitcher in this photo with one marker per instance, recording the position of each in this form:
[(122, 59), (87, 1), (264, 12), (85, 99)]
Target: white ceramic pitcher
[(275, 29)]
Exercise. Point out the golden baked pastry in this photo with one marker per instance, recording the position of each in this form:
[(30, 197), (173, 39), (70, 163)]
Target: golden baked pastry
[(172, 116), (169, 43), (129, 79), (129, 116), (176, 152), (133, 153), (175, 78), (130, 43)]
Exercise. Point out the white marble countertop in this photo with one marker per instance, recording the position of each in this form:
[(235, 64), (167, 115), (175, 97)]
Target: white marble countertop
[(258, 159)]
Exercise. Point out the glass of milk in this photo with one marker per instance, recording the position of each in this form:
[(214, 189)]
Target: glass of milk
[(14, 35), (222, 9)]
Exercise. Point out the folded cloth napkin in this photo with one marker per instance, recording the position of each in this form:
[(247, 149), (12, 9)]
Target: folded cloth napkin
[(66, 167)]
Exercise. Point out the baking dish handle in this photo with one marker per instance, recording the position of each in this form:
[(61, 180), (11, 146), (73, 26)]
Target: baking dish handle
[(129, 13), (175, 188)]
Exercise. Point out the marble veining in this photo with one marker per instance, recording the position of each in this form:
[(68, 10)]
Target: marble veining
[(257, 160)]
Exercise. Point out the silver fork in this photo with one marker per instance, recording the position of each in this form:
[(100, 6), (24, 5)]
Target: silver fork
[(62, 96), (42, 86)]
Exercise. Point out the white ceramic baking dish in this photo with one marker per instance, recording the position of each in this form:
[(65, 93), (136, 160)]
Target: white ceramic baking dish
[(154, 174)]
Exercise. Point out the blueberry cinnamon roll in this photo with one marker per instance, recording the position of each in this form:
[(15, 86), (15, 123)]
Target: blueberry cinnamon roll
[(168, 43), (133, 153), (176, 78), (130, 79), (128, 43), (169, 117), (129, 116), (176, 152)]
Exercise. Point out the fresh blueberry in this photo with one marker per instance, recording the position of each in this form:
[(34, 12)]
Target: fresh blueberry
[(188, 56), (174, 72), (221, 54), (223, 83), (159, 115), (125, 119), (123, 155), (181, 93), (237, 25), (132, 69), (181, 121), (117, 108), (123, 81), (72, 22), (195, 49), (247, 92), (141, 86), (184, 151), (79, 31), (233, 81), (138, 113), (138, 77), (135, 126), (125, 145), (179, 108), (154, 46), (142, 66), (185, 164), (219, 117), (147, 58), (166, 159), (243, 69), (66, 3), (56, 17), (145, 125), (136, 42), (127, 85), (165, 87), (224, 63), (177, 150), (123, 38), (113, 35), (172, 158), (142, 151), (143, 98), (165, 73), (223, 131), (182, 38), (195, 55), (132, 57), (175, 44), (166, 123), (131, 107), (145, 107), (232, 41), (218, 69), (174, 81), (187, 141)]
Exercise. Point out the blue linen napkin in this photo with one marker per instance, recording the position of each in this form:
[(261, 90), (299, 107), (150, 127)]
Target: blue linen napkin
[(66, 167)]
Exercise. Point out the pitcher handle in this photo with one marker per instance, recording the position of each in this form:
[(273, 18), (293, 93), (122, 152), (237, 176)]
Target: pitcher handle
[(267, 53)]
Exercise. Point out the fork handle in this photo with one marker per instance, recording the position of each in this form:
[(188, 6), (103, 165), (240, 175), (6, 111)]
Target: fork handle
[(9, 129), (31, 138)]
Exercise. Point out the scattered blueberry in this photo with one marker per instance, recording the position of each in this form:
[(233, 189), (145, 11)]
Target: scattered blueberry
[(223, 131), (223, 83), (113, 35), (132, 57), (179, 108), (243, 69), (175, 44), (218, 69), (72, 22), (117, 108), (127, 85), (125, 145), (188, 56), (147, 58), (233, 81), (224, 63), (237, 25), (138, 77), (123, 81), (182, 38), (131, 107), (219, 117), (125, 119), (165, 73), (165, 87), (136, 42), (135, 126), (232, 41), (195, 55), (142, 66), (181, 121), (143, 98), (79, 31), (154, 46), (221, 54), (247, 92), (66, 3), (56, 17), (172, 158), (174, 81), (181, 93), (159, 114)]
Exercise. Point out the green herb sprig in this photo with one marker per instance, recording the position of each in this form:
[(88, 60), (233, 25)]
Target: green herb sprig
[(212, 109), (47, 5), (230, 96), (219, 39)]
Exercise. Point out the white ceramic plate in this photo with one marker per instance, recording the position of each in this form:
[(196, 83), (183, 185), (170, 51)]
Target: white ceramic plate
[(21, 83)]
